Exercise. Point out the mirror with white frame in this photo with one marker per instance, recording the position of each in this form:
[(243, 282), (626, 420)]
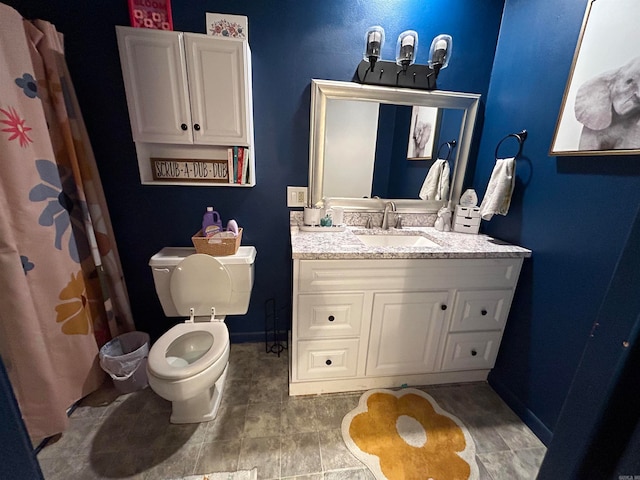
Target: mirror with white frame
[(347, 134)]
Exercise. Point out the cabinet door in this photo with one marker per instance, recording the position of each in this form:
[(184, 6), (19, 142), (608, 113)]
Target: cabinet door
[(217, 73), (154, 72), (406, 329)]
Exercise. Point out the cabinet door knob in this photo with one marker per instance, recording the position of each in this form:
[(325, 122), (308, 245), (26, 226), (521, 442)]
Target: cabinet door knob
[(483, 312), (474, 352), (183, 126), (443, 307), (196, 127), (328, 362), (331, 318)]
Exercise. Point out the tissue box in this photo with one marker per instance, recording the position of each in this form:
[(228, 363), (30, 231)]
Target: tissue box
[(216, 246), (466, 219)]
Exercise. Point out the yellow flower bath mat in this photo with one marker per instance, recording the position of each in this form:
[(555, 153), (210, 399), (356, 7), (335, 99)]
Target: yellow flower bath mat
[(405, 435)]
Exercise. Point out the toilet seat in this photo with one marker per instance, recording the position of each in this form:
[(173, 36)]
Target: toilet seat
[(159, 365)]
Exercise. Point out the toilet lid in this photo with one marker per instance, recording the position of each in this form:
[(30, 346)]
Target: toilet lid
[(163, 364), (200, 282)]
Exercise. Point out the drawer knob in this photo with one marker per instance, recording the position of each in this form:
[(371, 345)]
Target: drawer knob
[(331, 318), (328, 362), (474, 352), (196, 127), (443, 307), (483, 312), (183, 126)]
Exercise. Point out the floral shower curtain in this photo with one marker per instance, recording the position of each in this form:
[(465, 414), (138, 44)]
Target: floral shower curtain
[(62, 292)]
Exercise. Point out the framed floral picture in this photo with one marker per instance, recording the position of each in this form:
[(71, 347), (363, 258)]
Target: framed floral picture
[(156, 14), (600, 112), (422, 133), (227, 26)]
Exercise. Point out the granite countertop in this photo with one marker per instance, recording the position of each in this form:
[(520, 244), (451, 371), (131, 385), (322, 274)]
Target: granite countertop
[(346, 245)]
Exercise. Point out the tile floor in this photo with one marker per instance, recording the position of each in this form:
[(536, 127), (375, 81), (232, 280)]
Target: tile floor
[(130, 437)]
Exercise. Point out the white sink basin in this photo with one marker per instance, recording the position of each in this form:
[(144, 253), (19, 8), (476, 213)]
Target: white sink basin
[(396, 241)]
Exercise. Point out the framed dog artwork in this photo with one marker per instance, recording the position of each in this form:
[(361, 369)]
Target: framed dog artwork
[(600, 112)]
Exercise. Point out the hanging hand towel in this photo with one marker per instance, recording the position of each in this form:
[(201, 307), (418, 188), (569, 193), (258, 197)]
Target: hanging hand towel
[(498, 195), (436, 183)]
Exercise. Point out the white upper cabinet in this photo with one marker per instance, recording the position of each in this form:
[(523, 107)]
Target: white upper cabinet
[(217, 77), (190, 103), (155, 78), (186, 88)]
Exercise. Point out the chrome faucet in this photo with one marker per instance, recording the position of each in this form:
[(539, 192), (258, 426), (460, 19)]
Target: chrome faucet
[(385, 216), (367, 223)]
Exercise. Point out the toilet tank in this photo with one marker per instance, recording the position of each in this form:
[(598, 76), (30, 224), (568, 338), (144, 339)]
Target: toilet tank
[(239, 266)]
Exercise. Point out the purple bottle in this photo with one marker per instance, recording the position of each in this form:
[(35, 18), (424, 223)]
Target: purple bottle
[(211, 223)]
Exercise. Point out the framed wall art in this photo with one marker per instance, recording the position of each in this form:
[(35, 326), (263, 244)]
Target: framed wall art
[(422, 133), (154, 14), (600, 112), (227, 26)]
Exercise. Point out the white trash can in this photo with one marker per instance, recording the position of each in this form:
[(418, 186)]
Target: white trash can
[(124, 358)]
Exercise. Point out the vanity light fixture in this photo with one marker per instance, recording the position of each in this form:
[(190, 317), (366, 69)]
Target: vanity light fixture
[(374, 41), (404, 72)]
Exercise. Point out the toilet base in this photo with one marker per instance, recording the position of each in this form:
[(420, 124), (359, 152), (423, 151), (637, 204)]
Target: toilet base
[(201, 408)]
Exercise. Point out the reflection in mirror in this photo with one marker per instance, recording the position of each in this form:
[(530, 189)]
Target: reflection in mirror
[(360, 144)]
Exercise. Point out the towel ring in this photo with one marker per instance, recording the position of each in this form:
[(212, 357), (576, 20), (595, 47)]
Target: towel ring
[(520, 136), (451, 145)]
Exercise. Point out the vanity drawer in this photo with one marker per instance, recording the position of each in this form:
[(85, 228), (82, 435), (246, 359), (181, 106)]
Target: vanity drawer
[(330, 315), (320, 359), (480, 310), (468, 351), (405, 274)]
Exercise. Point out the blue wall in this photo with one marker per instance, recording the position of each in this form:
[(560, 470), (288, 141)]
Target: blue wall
[(573, 212)]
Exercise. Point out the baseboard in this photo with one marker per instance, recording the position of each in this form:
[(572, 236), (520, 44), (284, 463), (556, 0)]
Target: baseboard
[(527, 416), (255, 337)]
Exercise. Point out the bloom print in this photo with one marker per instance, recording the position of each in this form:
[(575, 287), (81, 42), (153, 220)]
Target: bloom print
[(76, 311), (63, 209), (16, 126), (28, 84), (26, 264)]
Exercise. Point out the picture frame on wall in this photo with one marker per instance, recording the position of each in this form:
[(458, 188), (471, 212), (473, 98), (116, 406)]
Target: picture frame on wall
[(600, 111), (151, 14), (234, 27), (422, 133)]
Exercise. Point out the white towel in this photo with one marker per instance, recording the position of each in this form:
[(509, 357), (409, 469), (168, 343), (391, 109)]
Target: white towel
[(436, 183), (498, 195)]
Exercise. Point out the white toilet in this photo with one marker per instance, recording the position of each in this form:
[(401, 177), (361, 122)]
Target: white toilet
[(188, 364)]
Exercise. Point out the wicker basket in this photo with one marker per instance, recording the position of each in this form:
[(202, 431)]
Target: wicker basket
[(218, 247)]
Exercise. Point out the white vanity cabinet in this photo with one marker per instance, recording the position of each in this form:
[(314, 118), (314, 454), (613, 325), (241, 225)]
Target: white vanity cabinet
[(373, 323), (188, 94)]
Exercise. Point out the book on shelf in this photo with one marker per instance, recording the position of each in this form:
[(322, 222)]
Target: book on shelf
[(230, 164), (238, 161), (240, 164), (245, 166)]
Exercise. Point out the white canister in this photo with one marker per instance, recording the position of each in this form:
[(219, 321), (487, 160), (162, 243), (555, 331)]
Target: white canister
[(312, 216), (337, 215)]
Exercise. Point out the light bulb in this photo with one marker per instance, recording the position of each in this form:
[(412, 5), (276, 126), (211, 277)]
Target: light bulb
[(440, 52), (373, 42), (406, 48)]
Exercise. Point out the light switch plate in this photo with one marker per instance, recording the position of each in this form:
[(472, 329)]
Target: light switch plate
[(296, 196)]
